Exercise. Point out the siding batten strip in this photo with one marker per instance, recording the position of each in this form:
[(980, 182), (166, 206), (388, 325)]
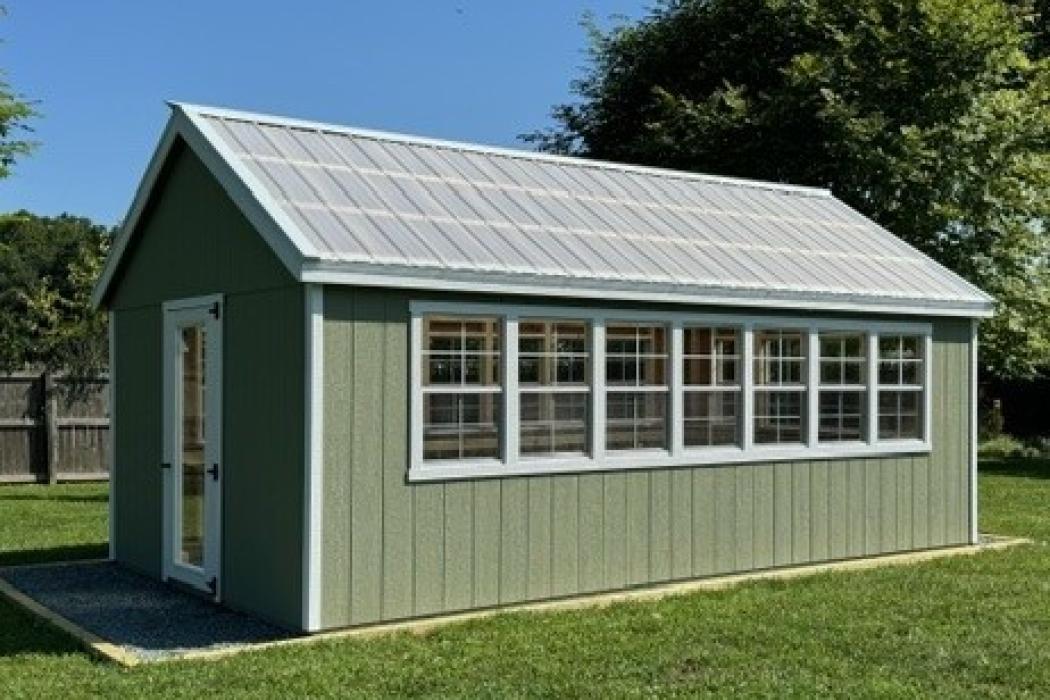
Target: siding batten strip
[(313, 457)]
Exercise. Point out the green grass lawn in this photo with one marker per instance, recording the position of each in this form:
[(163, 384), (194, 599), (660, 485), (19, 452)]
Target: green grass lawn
[(962, 626)]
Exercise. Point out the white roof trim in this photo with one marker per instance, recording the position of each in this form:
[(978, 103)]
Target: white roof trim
[(276, 228), (308, 264), (402, 277), (272, 120)]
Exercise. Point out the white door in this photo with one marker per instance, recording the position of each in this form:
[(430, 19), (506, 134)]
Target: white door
[(192, 464)]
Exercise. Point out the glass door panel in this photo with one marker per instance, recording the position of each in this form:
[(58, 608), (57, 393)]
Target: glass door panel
[(194, 514)]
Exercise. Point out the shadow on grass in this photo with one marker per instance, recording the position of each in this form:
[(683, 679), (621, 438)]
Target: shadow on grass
[(22, 632), (1032, 468), (73, 552), (57, 498)]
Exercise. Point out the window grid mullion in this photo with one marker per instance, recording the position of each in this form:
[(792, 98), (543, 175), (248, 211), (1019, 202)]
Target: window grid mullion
[(511, 404), (812, 386)]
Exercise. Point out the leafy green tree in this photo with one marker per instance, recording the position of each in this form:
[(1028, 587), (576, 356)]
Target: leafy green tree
[(15, 115), (48, 266), (930, 116)]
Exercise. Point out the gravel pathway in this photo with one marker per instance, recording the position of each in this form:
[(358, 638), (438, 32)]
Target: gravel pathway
[(147, 618)]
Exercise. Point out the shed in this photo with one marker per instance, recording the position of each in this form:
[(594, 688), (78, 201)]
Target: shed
[(362, 377)]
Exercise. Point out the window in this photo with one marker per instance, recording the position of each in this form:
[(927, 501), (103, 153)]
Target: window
[(843, 387), (711, 381), (554, 382), (779, 387), (901, 379), (461, 388), (636, 386), (502, 389)]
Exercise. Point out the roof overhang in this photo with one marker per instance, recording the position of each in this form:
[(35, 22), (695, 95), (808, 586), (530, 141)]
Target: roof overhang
[(402, 277), (306, 264)]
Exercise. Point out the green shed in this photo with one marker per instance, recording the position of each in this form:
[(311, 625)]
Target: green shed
[(362, 377)]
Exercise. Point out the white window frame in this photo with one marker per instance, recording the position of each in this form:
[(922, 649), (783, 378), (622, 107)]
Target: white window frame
[(844, 387), (555, 387), (600, 459)]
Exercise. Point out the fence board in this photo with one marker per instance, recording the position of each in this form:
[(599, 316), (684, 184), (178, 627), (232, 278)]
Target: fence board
[(57, 433)]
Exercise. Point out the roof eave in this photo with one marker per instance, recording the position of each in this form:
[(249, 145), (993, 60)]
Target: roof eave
[(405, 277)]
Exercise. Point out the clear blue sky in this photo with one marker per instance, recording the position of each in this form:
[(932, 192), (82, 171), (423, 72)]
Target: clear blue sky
[(462, 69)]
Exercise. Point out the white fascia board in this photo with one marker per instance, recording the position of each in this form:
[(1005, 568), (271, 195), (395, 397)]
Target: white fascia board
[(405, 277), (250, 196)]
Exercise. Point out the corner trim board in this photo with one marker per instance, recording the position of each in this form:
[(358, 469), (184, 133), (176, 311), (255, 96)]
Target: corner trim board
[(313, 457), (112, 436), (974, 535)]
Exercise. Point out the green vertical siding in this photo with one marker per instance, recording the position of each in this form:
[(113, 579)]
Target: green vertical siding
[(137, 439), (193, 241), (439, 547)]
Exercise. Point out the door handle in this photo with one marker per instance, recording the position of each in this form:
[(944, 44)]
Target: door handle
[(214, 471)]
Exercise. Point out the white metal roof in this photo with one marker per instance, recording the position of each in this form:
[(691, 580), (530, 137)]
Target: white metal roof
[(351, 206)]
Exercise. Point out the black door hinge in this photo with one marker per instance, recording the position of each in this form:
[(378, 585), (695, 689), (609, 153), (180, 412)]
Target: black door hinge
[(214, 471), (214, 310), (165, 465), (213, 585)]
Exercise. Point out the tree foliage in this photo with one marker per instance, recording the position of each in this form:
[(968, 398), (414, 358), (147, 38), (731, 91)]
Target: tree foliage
[(930, 116), (15, 115), (47, 269)]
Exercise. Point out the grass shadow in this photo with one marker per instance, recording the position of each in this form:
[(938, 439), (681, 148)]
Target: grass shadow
[(72, 552), (61, 497), (1031, 468), (23, 633)]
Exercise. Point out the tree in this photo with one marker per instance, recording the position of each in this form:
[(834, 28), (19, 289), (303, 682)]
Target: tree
[(929, 116), (47, 269), (15, 114)]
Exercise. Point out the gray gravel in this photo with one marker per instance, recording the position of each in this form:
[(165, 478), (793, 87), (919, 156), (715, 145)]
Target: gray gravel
[(144, 616)]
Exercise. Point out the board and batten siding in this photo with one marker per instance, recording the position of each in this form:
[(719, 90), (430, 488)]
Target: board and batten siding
[(193, 241), (393, 549)]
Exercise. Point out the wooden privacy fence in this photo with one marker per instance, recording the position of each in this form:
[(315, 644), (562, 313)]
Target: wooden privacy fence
[(49, 433)]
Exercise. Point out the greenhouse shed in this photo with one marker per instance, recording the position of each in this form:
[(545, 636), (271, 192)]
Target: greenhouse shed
[(362, 377)]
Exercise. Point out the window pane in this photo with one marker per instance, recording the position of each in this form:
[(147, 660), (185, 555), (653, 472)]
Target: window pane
[(459, 426), (841, 416), (779, 417), (461, 351), (889, 373), (909, 347), (842, 358), (553, 352), (831, 372), (779, 357), (910, 372), (636, 420), (853, 373), (697, 341), (697, 371), (554, 423), (709, 357), (900, 415), (889, 347), (712, 418), (636, 355)]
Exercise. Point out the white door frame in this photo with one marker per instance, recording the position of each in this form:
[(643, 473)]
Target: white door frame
[(209, 311)]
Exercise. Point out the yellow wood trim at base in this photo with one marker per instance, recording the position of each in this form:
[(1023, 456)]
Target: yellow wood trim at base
[(89, 640), (124, 657), (421, 626)]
